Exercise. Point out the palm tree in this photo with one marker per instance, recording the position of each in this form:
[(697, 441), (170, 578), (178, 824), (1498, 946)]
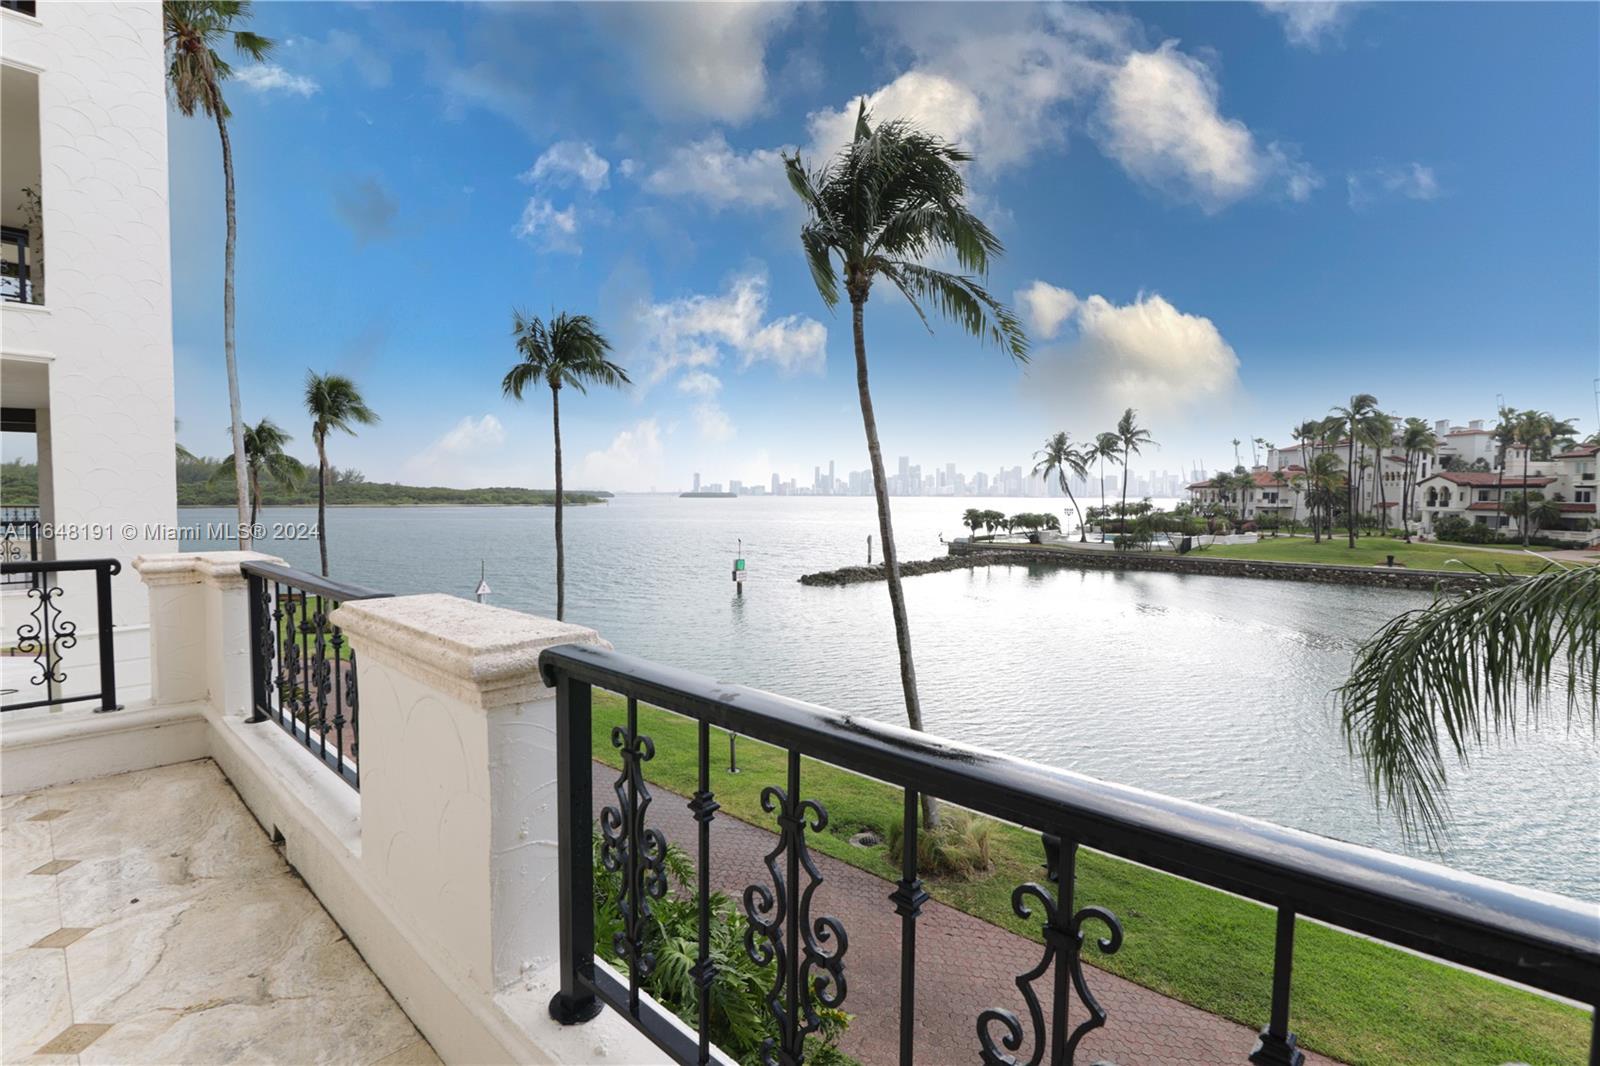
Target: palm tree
[(1060, 457), (1322, 479), (1533, 511), (1106, 446), (1132, 437), (334, 402), (1536, 431), (1378, 434), (1418, 439), (890, 199), (973, 520), (264, 456), (1460, 670), (569, 350), (1352, 419), (192, 29)]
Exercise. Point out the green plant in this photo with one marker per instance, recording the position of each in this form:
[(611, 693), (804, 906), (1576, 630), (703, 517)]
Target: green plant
[(740, 1022), (958, 847)]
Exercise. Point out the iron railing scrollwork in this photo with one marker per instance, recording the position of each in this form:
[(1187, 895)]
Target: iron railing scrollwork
[(19, 542), (46, 634), (638, 853), (1543, 941), (302, 669)]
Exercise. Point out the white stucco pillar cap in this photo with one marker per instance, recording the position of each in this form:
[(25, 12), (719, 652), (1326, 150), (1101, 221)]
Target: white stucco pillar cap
[(485, 656), (191, 568)]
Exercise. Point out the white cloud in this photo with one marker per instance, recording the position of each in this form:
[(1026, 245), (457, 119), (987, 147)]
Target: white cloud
[(465, 456), (1045, 308), (713, 422), (1146, 354), (1409, 181), (569, 162), (269, 77), (552, 229), (1160, 121), (703, 60), (699, 383), (935, 102), (711, 170), (698, 331), (1311, 23), (633, 460)]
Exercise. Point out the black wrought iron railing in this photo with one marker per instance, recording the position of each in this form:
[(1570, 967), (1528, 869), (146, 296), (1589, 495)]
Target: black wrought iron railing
[(19, 542), (1538, 940), (45, 638), (302, 670), (16, 271)]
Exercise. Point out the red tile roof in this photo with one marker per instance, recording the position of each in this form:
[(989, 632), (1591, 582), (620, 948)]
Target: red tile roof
[(1568, 508), (1469, 432), (1582, 451), (1489, 478)]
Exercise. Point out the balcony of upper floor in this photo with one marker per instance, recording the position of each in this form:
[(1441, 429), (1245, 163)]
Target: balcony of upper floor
[(352, 827), (21, 187)]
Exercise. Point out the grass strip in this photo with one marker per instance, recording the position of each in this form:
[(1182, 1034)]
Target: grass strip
[(1354, 1000)]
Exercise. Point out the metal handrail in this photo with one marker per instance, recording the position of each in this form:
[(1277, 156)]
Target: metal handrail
[(1536, 938), (312, 583), (45, 634)]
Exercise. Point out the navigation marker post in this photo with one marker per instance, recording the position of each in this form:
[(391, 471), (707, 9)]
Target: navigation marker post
[(482, 591), (739, 571)]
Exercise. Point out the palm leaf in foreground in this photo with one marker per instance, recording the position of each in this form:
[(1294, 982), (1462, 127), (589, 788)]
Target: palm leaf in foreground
[(1470, 667)]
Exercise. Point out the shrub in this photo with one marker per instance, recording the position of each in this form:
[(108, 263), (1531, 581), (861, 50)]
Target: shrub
[(740, 1022), (958, 847)]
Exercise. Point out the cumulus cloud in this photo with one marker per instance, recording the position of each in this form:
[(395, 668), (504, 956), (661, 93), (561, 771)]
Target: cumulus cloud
[(710, 170), (1159, 119), (1311, 23), (1145, 354), (269, 77), (1045, 308), (368, 209), (633, 460), (713, 422), (701, 60), (1409, 181), (552, 229), (568, 163), (465, 455), (699, 383), (696, 332)]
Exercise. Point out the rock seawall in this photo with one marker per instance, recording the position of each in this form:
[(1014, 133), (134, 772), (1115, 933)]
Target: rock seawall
[(962, 557)]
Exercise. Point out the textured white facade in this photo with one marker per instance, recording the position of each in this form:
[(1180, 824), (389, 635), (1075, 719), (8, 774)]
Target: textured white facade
[(94, 359)]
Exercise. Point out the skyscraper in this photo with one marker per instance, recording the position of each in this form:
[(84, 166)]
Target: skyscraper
[(831, 482), (697, 483), (774, 484)]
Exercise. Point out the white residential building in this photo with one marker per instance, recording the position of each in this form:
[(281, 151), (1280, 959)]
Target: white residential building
[(86, 322), (1567, 477)]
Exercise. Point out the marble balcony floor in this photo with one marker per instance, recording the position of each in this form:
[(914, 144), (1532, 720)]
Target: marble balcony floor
[(146, 918)]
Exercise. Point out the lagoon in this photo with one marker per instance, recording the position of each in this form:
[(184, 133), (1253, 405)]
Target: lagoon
[(1217, 690)]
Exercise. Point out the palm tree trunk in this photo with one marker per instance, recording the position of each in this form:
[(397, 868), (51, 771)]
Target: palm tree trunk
[(255, 497), (229, 352), (1527, 505), (1103, 515), (1353, 494), (322, 502), (1122, 518), (891, 554), (561, 551), (1083, 534)]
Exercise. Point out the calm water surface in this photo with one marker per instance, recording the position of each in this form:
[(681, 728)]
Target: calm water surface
[(1212, 689)]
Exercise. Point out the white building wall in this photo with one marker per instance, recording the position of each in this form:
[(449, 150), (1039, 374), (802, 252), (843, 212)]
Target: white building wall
[(104, 334)]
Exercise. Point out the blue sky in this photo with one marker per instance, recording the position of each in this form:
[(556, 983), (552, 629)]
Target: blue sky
[(1229, 216)]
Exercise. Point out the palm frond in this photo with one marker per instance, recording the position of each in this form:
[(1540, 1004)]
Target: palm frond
[(1472, 666), (963, 299)]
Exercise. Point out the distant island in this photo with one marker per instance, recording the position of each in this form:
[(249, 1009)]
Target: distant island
[(708, 495)]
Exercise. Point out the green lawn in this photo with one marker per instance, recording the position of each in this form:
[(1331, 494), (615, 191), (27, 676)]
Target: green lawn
[(1353, 999), (1372, 551)]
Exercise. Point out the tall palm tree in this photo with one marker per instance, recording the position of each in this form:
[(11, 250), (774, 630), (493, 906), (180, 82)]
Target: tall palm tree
[(1352, 421), (1378, 434), (1322, 480), (1132, 437), (1060, 457), (1451, 675), (568, 350), (890, 199), (1536, 431), (192, 30), (1418, 439), (333, 402), (1106, 446), (1505, 435), (265, 457)]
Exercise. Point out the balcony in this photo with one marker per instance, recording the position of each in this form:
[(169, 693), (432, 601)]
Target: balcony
[(21, 186), (453, 782)]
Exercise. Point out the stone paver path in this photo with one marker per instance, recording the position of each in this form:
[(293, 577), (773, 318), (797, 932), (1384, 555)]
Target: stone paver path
[(964, 965)]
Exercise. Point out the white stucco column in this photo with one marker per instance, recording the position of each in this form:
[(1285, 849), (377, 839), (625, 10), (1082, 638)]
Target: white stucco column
[(200, 627), (458, 776)]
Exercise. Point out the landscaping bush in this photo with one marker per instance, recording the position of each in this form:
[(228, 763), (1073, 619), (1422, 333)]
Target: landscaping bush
[(958, 847), (740, 1022)]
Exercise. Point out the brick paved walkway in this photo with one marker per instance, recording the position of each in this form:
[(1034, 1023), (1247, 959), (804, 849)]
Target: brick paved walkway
[(964, 965)]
